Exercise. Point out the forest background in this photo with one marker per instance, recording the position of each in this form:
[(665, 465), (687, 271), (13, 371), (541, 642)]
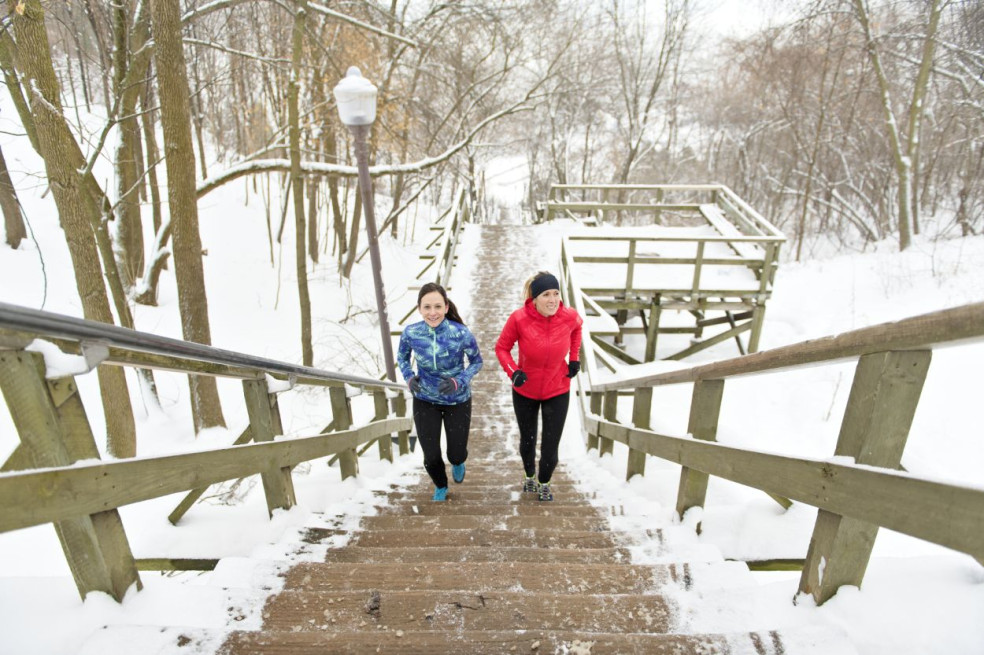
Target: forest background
[(844, 124), (854, 126)]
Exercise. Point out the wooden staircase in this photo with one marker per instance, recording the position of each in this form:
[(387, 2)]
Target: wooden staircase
[(493, 570)]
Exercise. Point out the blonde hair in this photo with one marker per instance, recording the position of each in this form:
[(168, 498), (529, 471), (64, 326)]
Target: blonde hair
[(527, 294)]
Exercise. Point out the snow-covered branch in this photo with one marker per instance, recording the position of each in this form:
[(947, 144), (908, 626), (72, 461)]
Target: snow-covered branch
[(338, 170)]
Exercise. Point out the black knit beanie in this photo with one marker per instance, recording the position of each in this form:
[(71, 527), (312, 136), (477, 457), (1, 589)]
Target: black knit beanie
[(543, 283)]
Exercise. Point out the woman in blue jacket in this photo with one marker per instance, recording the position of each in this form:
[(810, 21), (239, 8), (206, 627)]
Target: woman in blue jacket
[(441, 384)]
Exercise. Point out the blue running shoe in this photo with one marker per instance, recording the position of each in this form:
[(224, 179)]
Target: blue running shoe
[(441, 493), (458, 472)]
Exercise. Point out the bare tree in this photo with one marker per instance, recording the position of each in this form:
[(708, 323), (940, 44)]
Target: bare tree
[(76, 197), (183, 208), (904, 144)]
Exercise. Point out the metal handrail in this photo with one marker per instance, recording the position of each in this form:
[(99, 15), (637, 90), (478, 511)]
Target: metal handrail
[(122, 341)]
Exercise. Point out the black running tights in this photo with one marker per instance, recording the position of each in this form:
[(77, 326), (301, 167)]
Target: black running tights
[(554, 412), (428, 417)]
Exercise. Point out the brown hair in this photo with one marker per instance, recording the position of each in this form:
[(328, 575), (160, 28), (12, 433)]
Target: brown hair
[(431, 287)]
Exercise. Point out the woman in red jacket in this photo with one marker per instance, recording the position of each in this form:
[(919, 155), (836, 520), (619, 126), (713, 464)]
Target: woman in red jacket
[(547, 332)]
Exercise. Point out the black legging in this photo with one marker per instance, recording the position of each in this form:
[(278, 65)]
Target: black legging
[(554, 415), (428, 417)]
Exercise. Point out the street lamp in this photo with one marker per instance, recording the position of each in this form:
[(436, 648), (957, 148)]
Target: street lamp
[(356, 100)]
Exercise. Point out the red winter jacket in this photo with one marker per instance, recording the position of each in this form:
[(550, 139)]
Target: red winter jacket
[(543, 345)]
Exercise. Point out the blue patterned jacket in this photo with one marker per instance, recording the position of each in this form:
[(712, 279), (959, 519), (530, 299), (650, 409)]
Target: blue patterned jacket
[(439, 353)]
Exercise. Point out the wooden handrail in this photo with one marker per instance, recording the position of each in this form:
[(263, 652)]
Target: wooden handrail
[(126, 347), (944, 513), (54, 494), (943, 327)]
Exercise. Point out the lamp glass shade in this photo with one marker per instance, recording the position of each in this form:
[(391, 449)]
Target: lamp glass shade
[(356, 98)]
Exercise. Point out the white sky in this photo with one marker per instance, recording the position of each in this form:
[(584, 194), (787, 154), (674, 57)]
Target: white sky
[(917, 598)]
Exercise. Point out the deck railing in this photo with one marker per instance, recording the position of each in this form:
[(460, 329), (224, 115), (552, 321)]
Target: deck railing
[(440, 251), (860, 491), (61, 480)]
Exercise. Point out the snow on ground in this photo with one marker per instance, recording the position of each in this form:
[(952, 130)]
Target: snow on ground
[(917, 598)]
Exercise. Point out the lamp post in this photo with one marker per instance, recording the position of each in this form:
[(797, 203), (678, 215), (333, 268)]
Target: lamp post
[(356, 100)]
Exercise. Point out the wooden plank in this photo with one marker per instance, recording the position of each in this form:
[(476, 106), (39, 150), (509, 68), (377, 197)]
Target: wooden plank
[(950, 515), (403, 436), (607, 446), (883, 400), (38, 497), (642, 404), (176, 564), (382, 412), (615, 351), (278, 486), (341, 411), (710, 341), (94, 542), (948, 326), (620, 206), (705, 407), (652, 330), (595, 401), (192, 496)]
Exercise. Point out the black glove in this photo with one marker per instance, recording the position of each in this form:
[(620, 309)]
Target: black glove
[(573, 368), (414, 384), (519, 378), (448, 386)]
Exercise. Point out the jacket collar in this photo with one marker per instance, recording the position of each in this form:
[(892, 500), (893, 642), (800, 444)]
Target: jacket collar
[(532, 311)]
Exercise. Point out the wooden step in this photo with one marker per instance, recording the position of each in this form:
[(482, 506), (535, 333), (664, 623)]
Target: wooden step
[(414, 555), (485, 538), (473, 522), (430, 508), (534, 642), (295, 611), (489, 576), (463, 493)]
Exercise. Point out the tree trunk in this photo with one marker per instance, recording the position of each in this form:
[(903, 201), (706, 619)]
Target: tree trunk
[(129, 228), (12, 220), (77, 209), (297, 180), (14, 88), (180, 161), (353, 237)]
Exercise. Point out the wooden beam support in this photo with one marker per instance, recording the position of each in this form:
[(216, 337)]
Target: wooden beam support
[(192, 496), (595, 400), (57, 433), (382, 411), (642, 404), (278, 486), (874, 431), (341, 411), (403, 436), (705, 408), (652, 330), (605, 445)]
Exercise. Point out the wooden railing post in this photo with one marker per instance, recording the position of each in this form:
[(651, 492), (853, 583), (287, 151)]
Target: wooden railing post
[(399, 405), (382, 411), (652, 330), (594, 400), (606, 446), (642, 404), (264, 420), (705, 407), (341, 411), (53, 426), (875, 428)]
